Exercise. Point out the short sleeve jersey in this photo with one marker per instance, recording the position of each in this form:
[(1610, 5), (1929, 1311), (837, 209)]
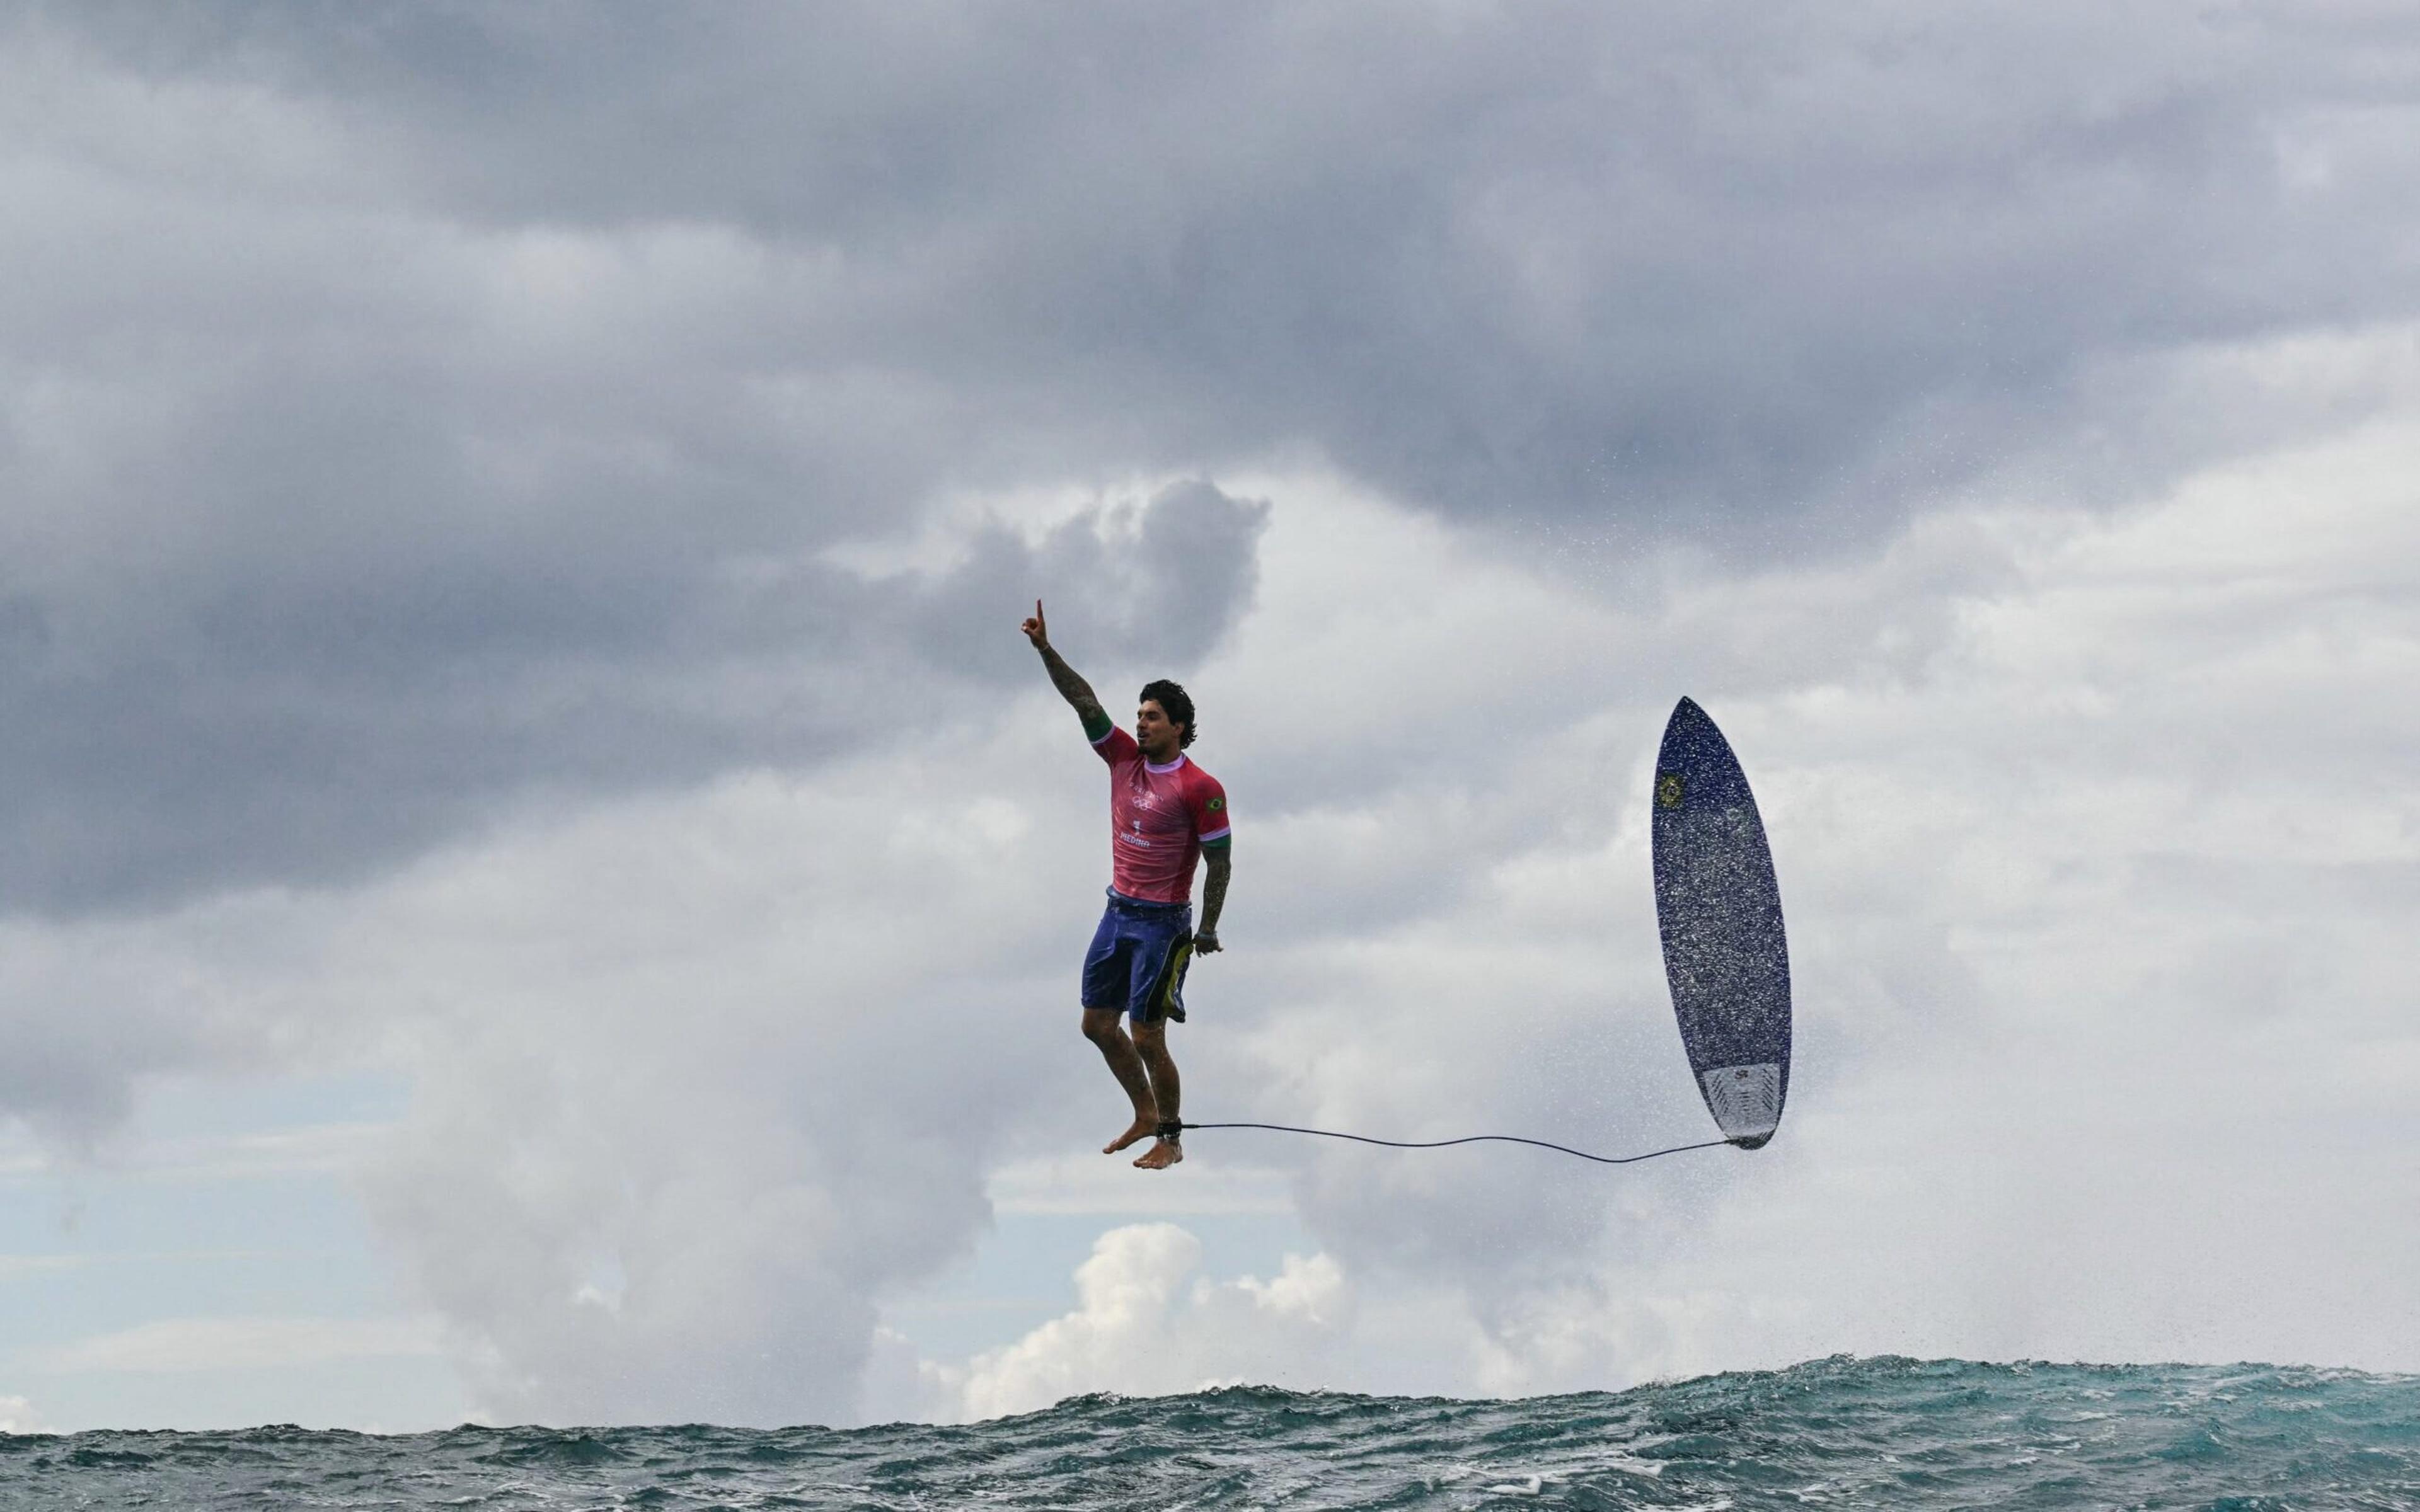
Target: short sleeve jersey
[(1159, 819)]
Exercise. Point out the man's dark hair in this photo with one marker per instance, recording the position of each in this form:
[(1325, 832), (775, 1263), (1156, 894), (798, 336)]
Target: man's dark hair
[(1173, 702)]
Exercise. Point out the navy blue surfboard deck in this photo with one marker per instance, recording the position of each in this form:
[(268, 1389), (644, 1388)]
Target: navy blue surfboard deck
[(1719, 907)]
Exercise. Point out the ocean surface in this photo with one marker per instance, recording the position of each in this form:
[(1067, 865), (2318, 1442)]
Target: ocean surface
[(1841, 1432)]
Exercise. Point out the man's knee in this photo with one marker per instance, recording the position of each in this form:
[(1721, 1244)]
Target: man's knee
[(1101, 1026), (1151, 1039)]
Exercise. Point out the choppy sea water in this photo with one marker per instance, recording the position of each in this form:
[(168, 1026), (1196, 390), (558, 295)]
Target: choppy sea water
[(1839, 1433)]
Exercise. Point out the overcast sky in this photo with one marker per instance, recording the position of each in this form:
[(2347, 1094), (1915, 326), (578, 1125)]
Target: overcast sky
[(539, 881)]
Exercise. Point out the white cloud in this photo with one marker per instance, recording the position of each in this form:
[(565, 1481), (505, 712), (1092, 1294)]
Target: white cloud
[(1141, 1329), (1149, 1323)]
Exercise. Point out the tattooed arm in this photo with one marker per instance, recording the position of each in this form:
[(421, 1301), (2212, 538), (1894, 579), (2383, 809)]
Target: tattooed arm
[(1220, 856), (1077, 692)]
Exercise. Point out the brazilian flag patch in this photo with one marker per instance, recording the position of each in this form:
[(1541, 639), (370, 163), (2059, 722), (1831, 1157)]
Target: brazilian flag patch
[(1667, 790), (1217, 804)]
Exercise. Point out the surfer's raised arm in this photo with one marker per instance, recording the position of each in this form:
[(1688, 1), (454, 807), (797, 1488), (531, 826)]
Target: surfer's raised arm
[(1077, 692)]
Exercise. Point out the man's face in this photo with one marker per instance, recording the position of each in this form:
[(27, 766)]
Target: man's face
[(1155, 734)]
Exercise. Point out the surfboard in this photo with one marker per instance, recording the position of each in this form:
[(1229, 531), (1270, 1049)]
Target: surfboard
[(1718, 908)]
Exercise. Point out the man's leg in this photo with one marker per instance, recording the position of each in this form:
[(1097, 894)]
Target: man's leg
[(1151, 1049), (1102, 1027)]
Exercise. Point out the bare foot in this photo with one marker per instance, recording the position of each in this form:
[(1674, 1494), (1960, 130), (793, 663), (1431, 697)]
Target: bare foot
[(1145, 1125), (1160, 1156)]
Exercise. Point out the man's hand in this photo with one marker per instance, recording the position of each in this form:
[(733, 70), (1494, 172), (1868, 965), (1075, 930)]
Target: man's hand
[(1035, 630), (1206, 942)]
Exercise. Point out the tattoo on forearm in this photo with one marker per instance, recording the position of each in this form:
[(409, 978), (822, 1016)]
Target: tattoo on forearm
[(1073, 688), (1214, 895)]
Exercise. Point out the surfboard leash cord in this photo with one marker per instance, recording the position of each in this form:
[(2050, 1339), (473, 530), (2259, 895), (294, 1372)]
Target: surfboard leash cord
[(1466, 1139)]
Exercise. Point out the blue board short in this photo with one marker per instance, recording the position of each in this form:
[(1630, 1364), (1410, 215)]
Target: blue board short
[(1138, 959)]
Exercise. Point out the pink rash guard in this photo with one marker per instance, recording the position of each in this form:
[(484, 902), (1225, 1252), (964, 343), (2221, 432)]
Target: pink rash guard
[(1159, 817)]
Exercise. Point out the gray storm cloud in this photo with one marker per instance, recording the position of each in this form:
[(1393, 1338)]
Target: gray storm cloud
[(396, 396), (287, 730), (1704, 267)]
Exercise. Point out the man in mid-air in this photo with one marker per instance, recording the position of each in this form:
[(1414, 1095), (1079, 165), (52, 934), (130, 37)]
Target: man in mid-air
[(1164, 812)]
